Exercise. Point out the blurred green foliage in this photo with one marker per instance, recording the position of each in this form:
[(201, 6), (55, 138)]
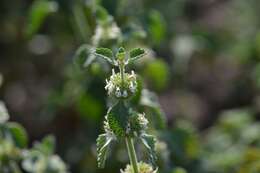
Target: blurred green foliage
[(207, 78), (16, 158)]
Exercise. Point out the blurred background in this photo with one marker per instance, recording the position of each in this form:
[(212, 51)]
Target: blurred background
[(203, 62)]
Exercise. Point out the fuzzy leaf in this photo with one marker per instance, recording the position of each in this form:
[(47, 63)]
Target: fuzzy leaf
[(117, 118), (103, 142), (149, 142), (105, 53), (136, 54)]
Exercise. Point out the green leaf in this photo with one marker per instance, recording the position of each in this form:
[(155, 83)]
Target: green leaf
[(18, 134), (117, 118), (157, 27), (84, 56), (40, 9), (136, 54), (4, 116), (103, 142), (157, 73), (105, 53), (149, 142), (102, 14)]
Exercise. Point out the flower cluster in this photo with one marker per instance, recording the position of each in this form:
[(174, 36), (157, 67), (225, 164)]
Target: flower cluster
[(119, 88), (143, 168)]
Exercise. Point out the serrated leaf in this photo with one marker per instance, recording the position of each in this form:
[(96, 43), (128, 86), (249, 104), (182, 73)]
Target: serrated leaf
[(18, 134), (4, 116), (84, 56), (149, 143), (103, 142), (105, 53), (117, 118), (136, 54)]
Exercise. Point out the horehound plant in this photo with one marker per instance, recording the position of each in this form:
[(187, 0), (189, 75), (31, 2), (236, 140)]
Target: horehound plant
[(121, 120)]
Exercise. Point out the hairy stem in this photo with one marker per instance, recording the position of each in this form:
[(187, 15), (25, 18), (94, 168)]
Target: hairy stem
[(131, 153), (122, 72)]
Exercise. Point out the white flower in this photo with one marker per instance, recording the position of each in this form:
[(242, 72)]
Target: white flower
[(113, 72), (133, 76), (109, 87), (118, 92), (132, 87)]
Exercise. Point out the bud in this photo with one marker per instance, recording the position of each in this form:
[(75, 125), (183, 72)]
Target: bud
[(121, 55), (138, 123)]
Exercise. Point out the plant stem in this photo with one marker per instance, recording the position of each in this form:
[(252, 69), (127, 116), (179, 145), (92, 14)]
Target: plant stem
[(131, 153), (122, 71)]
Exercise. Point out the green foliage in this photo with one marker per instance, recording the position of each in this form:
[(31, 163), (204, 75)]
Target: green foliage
[(13, 150), (121, 120), (157, 74), (209, 65), (230, 142), (157, 26), (103, 142), (41, 158), (136, 54), (105, 53), (19, 134), (39, 11), (117, 118)]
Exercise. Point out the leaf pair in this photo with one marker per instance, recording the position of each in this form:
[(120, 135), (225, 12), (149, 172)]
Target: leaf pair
[(108, 55)]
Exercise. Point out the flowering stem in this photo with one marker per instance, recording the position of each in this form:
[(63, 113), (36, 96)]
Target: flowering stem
[(131, 153), (122, 71)]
